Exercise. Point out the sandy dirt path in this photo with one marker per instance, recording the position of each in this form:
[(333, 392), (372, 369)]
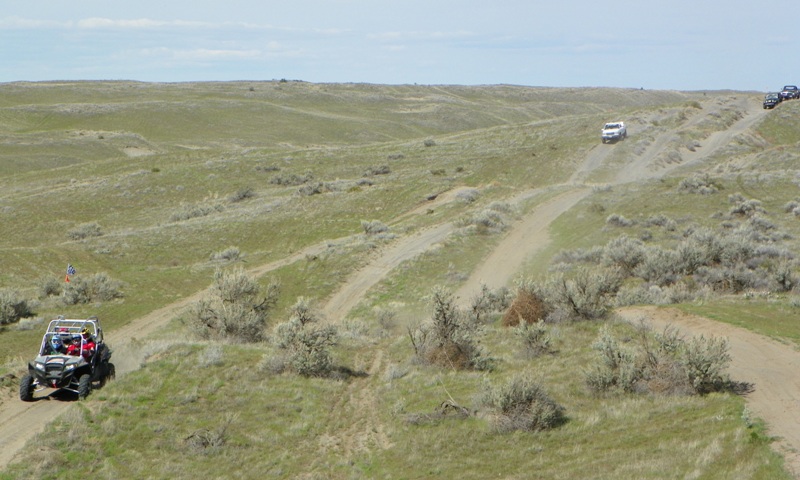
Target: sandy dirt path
[(524, 240)]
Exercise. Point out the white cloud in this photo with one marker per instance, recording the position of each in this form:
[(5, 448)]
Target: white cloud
[(419, 35), (15, 22), (136, 23), (200, 53)]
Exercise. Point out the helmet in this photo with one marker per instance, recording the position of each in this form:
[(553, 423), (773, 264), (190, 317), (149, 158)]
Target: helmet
[(55, 342), (85, 332)]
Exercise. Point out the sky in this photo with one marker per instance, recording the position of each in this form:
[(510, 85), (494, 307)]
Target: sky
[(651, 44)]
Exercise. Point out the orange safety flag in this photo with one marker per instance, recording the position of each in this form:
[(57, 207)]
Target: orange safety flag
[(66, 279)]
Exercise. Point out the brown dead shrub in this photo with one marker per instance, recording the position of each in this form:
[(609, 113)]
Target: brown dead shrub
[(527, 307), (449, 355)]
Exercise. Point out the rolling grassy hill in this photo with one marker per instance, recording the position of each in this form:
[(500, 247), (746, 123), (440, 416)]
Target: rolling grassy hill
[(170, 175)]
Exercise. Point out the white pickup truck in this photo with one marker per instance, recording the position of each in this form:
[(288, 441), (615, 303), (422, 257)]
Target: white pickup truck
[(613, 131)]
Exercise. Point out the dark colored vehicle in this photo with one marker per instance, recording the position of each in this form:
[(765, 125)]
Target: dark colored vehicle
[(789, 92), (772, 99), (72, 357)]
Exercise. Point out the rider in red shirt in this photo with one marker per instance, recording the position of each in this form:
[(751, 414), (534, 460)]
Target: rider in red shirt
[(86, 347)]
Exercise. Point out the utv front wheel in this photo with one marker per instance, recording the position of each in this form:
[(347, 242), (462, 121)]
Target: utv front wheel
[(84, 386), (26, 388)]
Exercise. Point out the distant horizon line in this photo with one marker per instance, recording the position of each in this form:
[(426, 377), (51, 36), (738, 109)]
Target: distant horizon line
[(415, 84)]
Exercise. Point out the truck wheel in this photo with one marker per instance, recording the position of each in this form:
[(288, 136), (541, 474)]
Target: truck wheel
[(84, 386), (26, 388)]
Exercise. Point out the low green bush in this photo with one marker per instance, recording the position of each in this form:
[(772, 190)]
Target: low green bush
[(522, 404), (13, 307), (449, 339), (85, 230), (307, 341), (99, 287), (233, 308)]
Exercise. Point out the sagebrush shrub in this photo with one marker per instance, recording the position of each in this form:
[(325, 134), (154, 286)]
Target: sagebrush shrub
[(229, 254), (705, 360), (308, 343), (311, 188), (661, 220), (702, 247), (13, 307), (485, 221), (448, 339), (291, 179), (49, 287), (624, 253), (187, 212), (522, 404), (783, 277), (735, 279), (593, 255), (468, 195), (85, 230), (97, 288), (701, 184), (587, 294), (617, 220), (534, 338), (659, 266), (617, 368), (653, 294), (381, 170), (104, 288), (487, 302), (233, 308), (793, 207), (747, 208), (664, 363), (241, 195), (78, 291), (373, 227)]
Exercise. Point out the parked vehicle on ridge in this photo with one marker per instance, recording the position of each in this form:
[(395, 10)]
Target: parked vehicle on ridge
[(772, 99), (790, 92)]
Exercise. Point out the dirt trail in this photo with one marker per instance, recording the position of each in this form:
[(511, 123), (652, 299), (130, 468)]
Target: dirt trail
[(359, 283), (19, 421), (524, 240)]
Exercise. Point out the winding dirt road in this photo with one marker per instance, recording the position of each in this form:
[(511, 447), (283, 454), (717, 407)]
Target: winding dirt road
[(769, 365)]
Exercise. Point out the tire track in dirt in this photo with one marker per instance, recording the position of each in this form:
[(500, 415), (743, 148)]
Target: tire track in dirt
[(368, 432), (390, 257), (526, 238)]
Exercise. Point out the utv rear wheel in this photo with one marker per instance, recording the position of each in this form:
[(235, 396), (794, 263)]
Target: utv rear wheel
[(108, 374), (84, 386), (26, 388)]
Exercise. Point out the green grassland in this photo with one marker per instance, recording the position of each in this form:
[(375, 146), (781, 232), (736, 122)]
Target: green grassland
[(132, 157)]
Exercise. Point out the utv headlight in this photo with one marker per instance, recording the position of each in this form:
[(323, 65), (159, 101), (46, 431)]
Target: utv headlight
[(69, 367), (39, 366)]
